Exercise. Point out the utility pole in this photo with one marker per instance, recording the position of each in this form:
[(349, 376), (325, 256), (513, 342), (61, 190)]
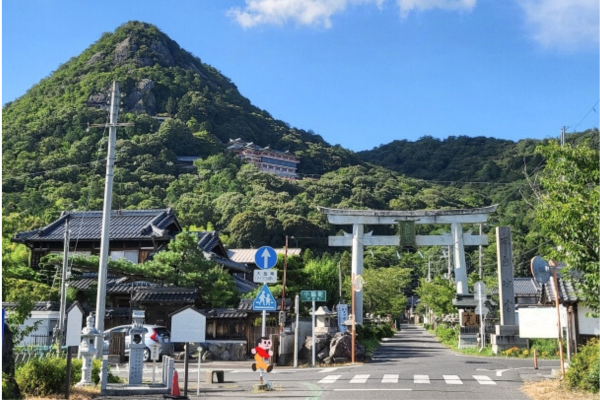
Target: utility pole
[(562, 136), (60, 329), (480, 255), (104, 240)]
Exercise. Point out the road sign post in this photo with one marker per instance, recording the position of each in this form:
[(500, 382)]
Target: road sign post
[(264, 302), (313, 296)]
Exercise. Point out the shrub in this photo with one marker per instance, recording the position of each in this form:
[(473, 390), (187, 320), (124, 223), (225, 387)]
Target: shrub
[(46, 376), (447, 334), (584, 372), (8, 387)]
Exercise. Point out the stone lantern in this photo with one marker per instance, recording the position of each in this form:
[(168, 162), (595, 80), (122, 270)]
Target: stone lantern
[(323, 316), (87, 349)]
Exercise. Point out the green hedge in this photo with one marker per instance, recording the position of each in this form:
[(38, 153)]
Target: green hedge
[(584, 370), (46, 376)]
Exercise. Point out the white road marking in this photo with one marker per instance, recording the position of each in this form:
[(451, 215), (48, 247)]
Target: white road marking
[(390, 378), (452, 379), (421, 379), (360, 378), (367, 390), (484, 380), (328, 369), (330, 379)]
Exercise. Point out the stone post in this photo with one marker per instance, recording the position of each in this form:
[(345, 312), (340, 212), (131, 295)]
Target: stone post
[(507, 333)]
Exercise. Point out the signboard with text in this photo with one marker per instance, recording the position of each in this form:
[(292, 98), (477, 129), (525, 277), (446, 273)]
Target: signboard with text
[(313, 295), (265, 276)]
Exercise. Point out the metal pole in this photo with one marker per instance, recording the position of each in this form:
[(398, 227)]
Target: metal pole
[(264, 323), (104, 240), (281, 323), (199, 363), (313, 333), (297, 307), (340, 278), (562, 356), (63, 289), (185, 370), (353, 322), (68, 377)]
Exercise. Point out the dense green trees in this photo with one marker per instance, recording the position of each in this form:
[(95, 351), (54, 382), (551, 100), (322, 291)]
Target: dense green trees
[(568, 211)]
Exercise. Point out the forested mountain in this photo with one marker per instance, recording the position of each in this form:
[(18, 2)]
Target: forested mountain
[(53, 161)]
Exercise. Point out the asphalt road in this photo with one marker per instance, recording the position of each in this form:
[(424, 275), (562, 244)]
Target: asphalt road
[(411, 365)]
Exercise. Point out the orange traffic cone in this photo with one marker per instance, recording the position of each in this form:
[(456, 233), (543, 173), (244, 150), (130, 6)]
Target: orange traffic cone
[(175, 385), (175, 393)]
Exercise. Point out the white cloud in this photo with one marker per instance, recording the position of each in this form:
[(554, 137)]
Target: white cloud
[(319, 12), (406, 6), (303, 12), (563, 24)]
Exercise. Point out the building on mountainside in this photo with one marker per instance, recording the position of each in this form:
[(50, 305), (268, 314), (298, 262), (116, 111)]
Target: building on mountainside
[(280, 163)]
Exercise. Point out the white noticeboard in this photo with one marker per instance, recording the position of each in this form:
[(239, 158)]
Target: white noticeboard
[(74, 326), (587, 325), (540, 322), (188, 326)]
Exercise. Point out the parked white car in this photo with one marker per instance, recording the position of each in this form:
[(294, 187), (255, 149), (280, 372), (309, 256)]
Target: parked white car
[(153, 334)]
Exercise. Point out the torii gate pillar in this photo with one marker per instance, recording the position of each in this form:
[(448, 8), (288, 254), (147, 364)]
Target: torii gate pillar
[(358, 239)]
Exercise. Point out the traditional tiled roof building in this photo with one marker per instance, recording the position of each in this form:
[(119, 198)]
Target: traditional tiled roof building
[(280, 163)]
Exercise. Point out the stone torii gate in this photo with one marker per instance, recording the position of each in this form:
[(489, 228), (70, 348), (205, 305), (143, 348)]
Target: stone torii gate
[(358, 238)]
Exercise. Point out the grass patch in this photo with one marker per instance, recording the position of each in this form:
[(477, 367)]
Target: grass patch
[(554, 390), (370, 346)]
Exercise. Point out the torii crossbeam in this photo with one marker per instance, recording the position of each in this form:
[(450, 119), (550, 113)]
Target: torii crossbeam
[(358, 239)]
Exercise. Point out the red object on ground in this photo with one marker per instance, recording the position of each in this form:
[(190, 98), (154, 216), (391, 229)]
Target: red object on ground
[(175, 386)]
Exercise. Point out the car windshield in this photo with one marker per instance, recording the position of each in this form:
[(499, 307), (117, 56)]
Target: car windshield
[(162, 331)]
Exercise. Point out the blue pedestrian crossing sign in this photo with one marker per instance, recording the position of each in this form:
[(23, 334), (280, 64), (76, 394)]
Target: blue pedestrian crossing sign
[(264, 301), (265, 257)]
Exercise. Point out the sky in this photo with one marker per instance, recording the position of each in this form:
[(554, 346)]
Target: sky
[(360, 73)]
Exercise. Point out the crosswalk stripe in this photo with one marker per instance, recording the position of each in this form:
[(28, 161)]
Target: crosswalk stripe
[(421, 379), (452, 379), (360, 378), (484, 380), (391, 378), (330, 379)]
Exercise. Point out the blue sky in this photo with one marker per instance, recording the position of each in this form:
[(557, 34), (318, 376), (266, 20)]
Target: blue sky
[(358, 72)]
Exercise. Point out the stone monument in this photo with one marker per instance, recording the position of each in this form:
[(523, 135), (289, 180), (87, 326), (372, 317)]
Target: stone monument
[(507, 332), (137, 346)]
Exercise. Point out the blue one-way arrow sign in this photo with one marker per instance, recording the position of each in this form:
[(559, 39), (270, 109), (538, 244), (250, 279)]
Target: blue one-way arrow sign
[(264, 301), (265, 257)]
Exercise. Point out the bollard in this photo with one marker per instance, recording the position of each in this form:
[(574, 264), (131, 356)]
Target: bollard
[(535, 364)]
